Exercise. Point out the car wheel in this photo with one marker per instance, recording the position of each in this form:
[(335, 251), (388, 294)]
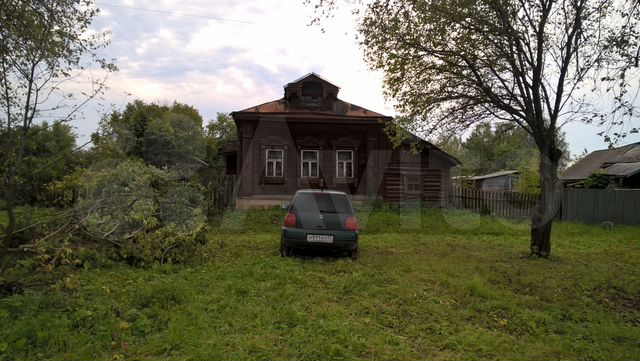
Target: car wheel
[(354, 254)]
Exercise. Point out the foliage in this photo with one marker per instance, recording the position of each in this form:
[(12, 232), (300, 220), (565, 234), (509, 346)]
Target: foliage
[(44, 47), (48, 156), (222, 129), (142, 211), (218, 132), (453, 64), (122, 134), (496, 147), (503, 148), (599, 180), (175, 142), (493, 148), (438, 292), (529, 176)]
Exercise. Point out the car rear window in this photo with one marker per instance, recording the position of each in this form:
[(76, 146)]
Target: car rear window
[(321, 202)]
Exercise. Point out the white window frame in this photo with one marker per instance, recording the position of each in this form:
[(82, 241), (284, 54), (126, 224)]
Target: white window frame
[(338, 161), (267, 160), (317, 161), (406, 183)]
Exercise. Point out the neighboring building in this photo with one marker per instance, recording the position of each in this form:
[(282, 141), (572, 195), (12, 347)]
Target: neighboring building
[(505, 181), (621, 163), (310, 138)]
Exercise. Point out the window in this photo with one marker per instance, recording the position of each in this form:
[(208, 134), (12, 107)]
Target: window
[(274, 162), (312, 89), (344, 163), (310, 163), (412, 183), (321, 202)]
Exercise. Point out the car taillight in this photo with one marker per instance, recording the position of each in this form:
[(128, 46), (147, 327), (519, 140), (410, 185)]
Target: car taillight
[(351, 224), (290, 220)]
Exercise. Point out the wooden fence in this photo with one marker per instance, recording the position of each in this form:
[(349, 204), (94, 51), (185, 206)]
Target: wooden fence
[(590, 206), (498, 203), (221, 194), (594, 206)]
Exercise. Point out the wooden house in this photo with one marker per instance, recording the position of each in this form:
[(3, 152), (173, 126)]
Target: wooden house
[(621, 164), (311, 139)]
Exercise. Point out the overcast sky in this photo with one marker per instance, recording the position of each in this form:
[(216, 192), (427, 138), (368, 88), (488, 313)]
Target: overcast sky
[(226, 55)]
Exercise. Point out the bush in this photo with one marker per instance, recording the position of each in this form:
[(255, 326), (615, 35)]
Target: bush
[(600, 180), (142, 211)]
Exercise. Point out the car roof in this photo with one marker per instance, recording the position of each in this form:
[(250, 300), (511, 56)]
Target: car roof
[(329, 191)]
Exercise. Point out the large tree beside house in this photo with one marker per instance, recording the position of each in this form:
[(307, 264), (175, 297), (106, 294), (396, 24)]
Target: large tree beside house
[(452, 64)]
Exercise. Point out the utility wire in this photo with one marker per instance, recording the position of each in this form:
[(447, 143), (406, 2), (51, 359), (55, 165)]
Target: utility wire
[(167, 12)]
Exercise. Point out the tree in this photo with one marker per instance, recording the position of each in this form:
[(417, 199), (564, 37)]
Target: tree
[(222, 129), (492, 149), (497, 147), (529, 176), (454, 63), (123, 134), (47, 157), (176, 142), (44, 46)]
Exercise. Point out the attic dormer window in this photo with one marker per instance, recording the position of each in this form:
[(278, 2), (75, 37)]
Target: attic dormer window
[(312, 89)]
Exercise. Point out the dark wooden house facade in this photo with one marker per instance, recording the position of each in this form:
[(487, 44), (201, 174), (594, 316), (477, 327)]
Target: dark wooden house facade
[(310, 139)]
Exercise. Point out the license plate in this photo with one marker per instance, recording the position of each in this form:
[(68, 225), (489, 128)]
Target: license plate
[(321, 238)]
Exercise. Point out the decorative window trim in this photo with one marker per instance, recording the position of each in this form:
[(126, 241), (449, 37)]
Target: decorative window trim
[(275, 161), (338, 161), (303, 161), (408, 186)]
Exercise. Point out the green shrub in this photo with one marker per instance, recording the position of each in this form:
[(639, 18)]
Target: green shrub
[(599, 180), (143, 211)]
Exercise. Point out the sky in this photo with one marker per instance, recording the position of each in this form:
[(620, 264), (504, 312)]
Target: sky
[(227, 55)]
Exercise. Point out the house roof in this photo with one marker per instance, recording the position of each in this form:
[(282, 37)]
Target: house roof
[(414, 138), (623, 169), (487, 176), (622, 161), (310, 75), (322, 100), (339, 107), (496, 174)]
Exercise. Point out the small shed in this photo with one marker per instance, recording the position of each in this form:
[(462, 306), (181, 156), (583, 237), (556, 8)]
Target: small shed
[(504, 181)]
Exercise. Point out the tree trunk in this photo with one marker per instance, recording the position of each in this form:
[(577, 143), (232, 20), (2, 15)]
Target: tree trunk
[(548, 204)]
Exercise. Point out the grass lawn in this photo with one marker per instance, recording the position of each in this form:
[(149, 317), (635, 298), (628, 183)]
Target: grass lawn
[(428, 285)]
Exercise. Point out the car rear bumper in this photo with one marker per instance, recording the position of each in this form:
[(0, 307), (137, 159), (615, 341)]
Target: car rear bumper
[(297, 238)]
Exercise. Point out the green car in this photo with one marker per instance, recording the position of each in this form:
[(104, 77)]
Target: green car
[(320, 219)]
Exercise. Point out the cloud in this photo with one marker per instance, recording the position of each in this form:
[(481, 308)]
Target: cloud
[(226, 65), (229, 65)]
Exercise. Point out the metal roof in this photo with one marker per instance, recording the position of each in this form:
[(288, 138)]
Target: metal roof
[(602, 160), (494, 175), (339, 107), (623, 169)]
